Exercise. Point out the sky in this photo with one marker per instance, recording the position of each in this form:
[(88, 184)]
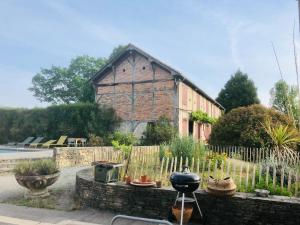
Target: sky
[(206, 40)]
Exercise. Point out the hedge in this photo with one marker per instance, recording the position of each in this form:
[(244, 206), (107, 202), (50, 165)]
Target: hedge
[(74, 120)]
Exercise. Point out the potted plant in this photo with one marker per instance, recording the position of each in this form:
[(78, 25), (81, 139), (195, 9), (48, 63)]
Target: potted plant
[(36, 176), (187, 213)]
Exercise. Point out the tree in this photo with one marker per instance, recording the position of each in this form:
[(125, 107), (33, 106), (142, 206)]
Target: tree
[(244, 126), (238, 91), (117, 50), (69, 84), (284, 98)]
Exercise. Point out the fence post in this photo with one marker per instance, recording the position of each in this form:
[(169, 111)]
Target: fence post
[(247, 176), (267, 176), (282, 179), (234, 172), (171, 167), (274, 176), (192, 164), (241, 174), (227, 168), (166, 169), (180, 164), (289, 180), (260, 171), (175, 164), (253, 176), (161, 167)]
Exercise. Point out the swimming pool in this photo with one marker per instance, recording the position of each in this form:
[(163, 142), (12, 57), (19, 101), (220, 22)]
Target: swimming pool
[(11, 149)]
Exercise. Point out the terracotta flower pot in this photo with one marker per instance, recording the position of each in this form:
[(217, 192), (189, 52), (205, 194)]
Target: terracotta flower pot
[(37, 185), (144, 178), (128, 179), (187, 213), (158, 183)]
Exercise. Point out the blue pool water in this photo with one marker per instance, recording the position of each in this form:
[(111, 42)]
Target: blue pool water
[(7, 151)]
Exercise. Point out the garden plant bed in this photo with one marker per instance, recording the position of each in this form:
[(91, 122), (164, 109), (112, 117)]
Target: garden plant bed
[(242, 208)]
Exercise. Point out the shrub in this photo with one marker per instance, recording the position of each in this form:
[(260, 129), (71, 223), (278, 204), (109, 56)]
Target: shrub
[(244, 126), (78, 120), (36, 167), (216, 159), (185, 147), (122, 138), (95, 140), (158, 132)]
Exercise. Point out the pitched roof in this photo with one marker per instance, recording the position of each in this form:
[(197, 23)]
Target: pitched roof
[(174, 73)]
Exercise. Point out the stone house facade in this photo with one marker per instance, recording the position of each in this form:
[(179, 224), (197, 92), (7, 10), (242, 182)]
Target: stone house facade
[(141, 89)]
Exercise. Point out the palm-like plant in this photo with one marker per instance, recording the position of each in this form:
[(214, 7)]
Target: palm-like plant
[(284, 138)]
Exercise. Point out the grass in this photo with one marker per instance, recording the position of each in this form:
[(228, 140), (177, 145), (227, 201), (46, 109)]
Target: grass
[(36, 167)]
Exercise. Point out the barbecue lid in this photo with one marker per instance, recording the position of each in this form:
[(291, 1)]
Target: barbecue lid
[(184, 177)]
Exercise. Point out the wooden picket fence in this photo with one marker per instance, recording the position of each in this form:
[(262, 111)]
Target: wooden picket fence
[(247, 174), (254, 155)]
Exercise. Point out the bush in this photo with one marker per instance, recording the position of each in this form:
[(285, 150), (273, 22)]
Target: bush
[(77, 120), (185, 147), (159, 132), (95, 140), (36, 167), (216, 159), (122, 138), (244, 126)]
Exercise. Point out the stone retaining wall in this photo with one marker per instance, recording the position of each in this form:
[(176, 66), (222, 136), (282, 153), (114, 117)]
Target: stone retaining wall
[(83, 156), (243, 208)]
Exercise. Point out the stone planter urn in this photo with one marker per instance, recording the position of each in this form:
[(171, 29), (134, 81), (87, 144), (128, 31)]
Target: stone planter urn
[(37, 185)]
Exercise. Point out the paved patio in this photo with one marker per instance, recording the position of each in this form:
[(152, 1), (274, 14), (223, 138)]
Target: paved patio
[(20, 215)]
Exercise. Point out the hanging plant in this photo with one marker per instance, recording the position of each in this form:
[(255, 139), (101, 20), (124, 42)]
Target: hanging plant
[(202, 117)]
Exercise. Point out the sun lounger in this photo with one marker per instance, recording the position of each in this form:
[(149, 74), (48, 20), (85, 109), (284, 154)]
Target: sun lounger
[(60, 143), (36, 142), (25, 142), (46, 144)]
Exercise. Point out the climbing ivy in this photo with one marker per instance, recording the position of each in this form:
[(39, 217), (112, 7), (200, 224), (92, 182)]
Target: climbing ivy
[(202, 117)]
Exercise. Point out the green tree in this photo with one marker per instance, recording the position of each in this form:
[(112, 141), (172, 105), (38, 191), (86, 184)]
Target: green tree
[(238, 91), (284, 98), (117, 50), (69, 84)]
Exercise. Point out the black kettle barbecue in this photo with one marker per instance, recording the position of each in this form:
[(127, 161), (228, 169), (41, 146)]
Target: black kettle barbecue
[(185, 182)]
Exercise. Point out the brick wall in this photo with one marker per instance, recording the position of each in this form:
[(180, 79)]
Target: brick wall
[(138, 90), (189, 101), (155, 203)]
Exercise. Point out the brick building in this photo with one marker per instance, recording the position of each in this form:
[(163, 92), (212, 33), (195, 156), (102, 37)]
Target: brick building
[(141, 89)]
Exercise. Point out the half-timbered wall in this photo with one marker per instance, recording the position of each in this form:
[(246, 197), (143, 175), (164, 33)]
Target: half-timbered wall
[(139, 90), (190, 100)]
